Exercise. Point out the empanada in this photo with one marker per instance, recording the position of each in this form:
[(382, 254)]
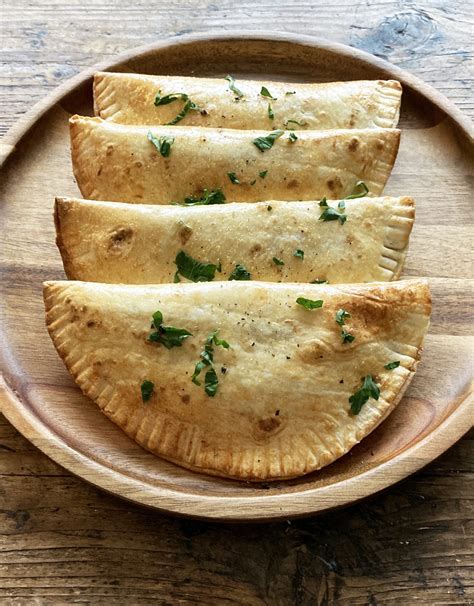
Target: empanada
[(282, 390), (121, 163), (130, 99), (274, 241)]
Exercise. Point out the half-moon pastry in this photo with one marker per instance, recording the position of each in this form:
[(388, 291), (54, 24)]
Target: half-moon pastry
[(165, 164), (249, 380), (273, 241), (246, 104)]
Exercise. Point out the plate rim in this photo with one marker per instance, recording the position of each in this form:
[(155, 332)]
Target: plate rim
[(263, 507)]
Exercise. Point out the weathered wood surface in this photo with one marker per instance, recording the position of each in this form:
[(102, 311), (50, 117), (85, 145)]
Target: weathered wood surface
[(65, 542)]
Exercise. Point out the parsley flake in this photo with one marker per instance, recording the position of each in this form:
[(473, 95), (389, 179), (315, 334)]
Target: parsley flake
[(208, 197), (293, 137), (187, 107), (278, 261), (346, 337), (333, 214), (309, 303), (290, 92), (240, 273), (163, 144), (263, 173), (207, 359), (169, 336), (267, 141), (194, 270), (341, 315), (231, 80), (295, 122), (271, 115), (360, 190), (299, 253), (147, 388), (392, 365), (318, 281), (368, 390), (233, 178), (266, 93)]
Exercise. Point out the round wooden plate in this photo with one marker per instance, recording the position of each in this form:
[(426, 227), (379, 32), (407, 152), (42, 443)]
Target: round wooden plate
[(37, 394)]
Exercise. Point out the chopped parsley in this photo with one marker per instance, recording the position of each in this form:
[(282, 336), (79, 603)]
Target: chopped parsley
[(293, 137), (267, 142), (233, 178), (368, 390), (266, 93), (278, 261), (392, 365), (169, 336), (318, 281), (346, 337), (341, 315), (299, 253), (290, 92), (333, 214), (207, 359), (360, 190), (194, 270), (263, 173), (240, 273), (253, 181), (187, 107), (271, 115), (309, 303), (233, 88), (147, 388), (269, 208), (163, 144), (208, 197)]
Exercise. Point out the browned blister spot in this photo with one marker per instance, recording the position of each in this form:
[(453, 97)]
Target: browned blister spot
[(119, 240), (292, 184), (185, 398), (256, 248), (354, 144), (269, 425), (185, 233)]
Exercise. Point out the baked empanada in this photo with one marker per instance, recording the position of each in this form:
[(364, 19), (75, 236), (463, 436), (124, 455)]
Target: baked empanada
[(273, 241), (131, 98), (279, 388), (171, 163)]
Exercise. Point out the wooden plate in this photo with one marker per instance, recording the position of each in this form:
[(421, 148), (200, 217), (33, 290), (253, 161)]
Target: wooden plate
[(40, 399)]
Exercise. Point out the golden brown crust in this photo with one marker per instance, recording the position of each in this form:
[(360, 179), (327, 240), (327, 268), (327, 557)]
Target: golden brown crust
[(281, 409), (137, 244), (118, 163), (129, 99)]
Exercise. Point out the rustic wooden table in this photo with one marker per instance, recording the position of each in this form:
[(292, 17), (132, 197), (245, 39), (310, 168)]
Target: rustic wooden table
[(62, 541)]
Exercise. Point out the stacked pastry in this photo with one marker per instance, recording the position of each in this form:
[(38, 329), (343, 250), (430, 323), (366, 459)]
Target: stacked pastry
[(232, 308)]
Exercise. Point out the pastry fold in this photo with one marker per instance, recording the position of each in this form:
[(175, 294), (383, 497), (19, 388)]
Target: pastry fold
[(130, 99), (138, 244), (281, 407), (119, 163)]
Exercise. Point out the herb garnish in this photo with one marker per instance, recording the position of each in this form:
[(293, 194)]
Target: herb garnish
[(187, 107), (318, 282), (169, 336), (309, 303), (233, 88), (240, 273), (208, 197), (207, 359), (341, 315), (278, 261), (392, 365), (233, 178), (271, 115), (147, 388), (163, 144), (266, 93), (262, 174), (299, 253), (269, 208), (267, 142), (360, 190), (332, 214), (293, 137), (290, 92), (368, 390), (194, 270)]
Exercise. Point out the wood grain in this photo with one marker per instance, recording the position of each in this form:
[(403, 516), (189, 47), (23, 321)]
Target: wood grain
[(72, 543)]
